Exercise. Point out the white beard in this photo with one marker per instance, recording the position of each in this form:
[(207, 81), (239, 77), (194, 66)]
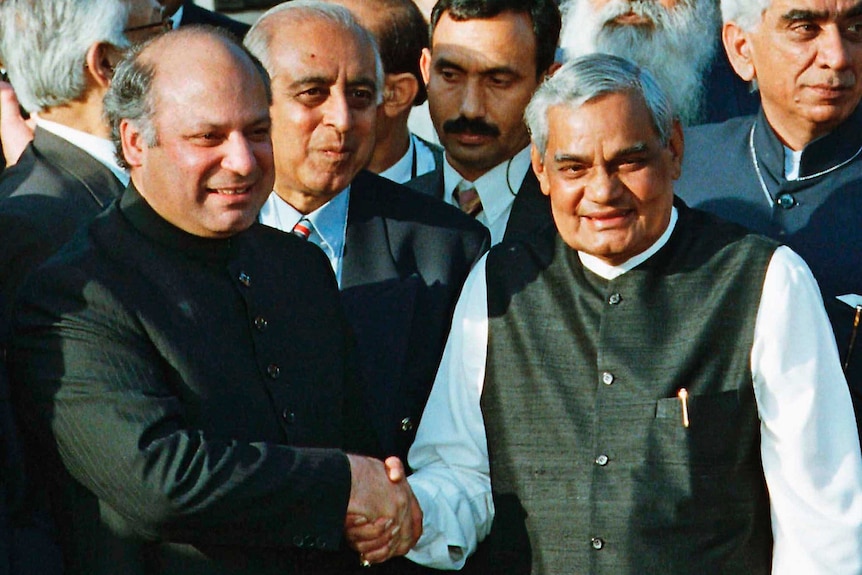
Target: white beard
[(677, 49)]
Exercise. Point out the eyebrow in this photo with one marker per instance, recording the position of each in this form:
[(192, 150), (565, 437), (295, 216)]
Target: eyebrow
[(446, 63), (799, 15), (633, 150)]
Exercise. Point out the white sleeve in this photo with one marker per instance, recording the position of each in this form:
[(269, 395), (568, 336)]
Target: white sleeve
[(450, 453), (809, 443)]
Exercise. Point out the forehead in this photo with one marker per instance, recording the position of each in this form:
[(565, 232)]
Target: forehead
[(665, 3), (202, 79), (323, 50), (611, 122), (820, 8), (504, 40)]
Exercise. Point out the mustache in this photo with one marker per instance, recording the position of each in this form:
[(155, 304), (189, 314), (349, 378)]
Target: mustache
[(462, 125)]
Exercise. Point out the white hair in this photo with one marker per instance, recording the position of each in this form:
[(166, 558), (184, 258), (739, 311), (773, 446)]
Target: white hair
[(747, 14), (44, 45), (259, 37), (677, 49)]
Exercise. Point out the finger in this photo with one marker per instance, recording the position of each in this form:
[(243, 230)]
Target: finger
[(394, 469)]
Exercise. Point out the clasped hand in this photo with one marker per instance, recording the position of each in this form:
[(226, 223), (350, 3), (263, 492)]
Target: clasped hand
[(384, 519)]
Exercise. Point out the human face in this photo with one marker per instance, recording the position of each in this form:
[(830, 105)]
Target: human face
[(609, 177), (211, 170), (638, 13), (806, 56), (481, 74), (323, 112)]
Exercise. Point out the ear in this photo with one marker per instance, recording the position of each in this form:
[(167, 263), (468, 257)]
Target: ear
[(552, 69), (737, 44), (101, 59), (398, 93), (676, 145), (425, 65), (133, 144), (539, 169)]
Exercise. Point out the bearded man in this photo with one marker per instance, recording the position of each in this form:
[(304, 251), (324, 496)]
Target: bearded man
[(677, 40)]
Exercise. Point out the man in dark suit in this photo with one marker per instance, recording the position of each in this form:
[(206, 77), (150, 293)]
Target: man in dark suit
[(185, 372), (67, 174), (186, 12), (400, 257), (486, 60)]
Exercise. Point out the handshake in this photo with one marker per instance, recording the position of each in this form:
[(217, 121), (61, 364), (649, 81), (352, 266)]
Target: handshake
[(384, 519)]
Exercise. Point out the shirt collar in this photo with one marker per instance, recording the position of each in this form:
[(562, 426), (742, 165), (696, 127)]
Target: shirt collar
[(823, 154), (102, 150), (329, 220), (401, 170), (496, 188), (609, 272), (177, 17)]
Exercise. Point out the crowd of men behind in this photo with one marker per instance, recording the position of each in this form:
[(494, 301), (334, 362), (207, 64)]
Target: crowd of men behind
[(501, 286)]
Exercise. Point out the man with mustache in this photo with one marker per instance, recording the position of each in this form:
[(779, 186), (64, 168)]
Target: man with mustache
[(677, 40), (399, 257), (486, 60), (793, 171)]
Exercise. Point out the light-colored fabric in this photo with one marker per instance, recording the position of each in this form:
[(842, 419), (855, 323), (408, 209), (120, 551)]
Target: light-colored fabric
[(100, 148), (809, 443), (402, 170), (497, 188), (329, 223)]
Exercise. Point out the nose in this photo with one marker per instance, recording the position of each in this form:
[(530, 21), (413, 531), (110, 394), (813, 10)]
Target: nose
[(239, 156), (832, 49), (472, 100), (602, 187), (337, 112)]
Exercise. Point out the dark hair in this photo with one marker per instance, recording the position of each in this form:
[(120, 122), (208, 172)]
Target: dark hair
[(545, 15), (401, 34)]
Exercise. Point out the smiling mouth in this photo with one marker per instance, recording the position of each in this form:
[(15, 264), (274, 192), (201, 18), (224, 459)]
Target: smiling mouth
[(608, 220), (230, 191)]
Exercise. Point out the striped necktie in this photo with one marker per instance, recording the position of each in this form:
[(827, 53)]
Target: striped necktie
[(468, 198), (303, 228)]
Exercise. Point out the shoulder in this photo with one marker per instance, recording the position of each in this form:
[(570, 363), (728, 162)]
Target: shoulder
[(732, 130)]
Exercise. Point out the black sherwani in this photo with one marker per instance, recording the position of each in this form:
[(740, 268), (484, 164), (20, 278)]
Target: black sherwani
[(189, 399)]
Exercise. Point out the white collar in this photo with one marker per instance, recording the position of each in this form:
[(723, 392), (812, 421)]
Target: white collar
[(603, 269), (496, 188), (177, 17), (102, 150)]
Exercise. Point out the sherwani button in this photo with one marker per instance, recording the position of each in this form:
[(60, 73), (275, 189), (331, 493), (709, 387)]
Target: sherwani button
[(607, 378), (602, 460), (288, 416), (615, 299), (260, 323), (407, 424), (597, 543), (273, 371), (244, 279)]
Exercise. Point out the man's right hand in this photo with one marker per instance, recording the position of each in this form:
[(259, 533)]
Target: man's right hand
[(384, 519)]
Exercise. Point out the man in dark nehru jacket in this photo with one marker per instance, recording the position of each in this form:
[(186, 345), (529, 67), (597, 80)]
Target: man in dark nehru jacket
[(184, 371), (187, 13), (659, 389), (793, 171)]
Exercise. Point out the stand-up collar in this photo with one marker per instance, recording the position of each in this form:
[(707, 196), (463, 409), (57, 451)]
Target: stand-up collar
[(149, 223), (822, 155)]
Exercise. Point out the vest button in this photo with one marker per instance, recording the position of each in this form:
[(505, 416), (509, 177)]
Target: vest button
[(786, 201), (273, 371), (407, 424), (597, 543), (615, 299), (244, 279), (260, 323), (607, 378), (602, 460), (288, 416)]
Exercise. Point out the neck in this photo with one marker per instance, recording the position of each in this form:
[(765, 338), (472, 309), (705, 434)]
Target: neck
[(390, 146), (84, 115)]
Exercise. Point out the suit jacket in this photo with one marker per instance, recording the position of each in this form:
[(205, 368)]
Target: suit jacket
[(189, 399), (530, 211), (405, 258), (194, 14), (55, 188)]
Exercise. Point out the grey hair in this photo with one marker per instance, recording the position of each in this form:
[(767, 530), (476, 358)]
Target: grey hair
[(747, 14), (44, 45), (589, 77), (259, 38)]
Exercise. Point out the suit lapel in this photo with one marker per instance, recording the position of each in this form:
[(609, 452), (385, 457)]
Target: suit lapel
[(102, 185)]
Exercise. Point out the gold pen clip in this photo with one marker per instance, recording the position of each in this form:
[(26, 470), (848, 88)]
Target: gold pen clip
[(683, 399)]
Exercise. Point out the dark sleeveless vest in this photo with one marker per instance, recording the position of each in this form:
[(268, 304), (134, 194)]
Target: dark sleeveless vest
[(592, 468)]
